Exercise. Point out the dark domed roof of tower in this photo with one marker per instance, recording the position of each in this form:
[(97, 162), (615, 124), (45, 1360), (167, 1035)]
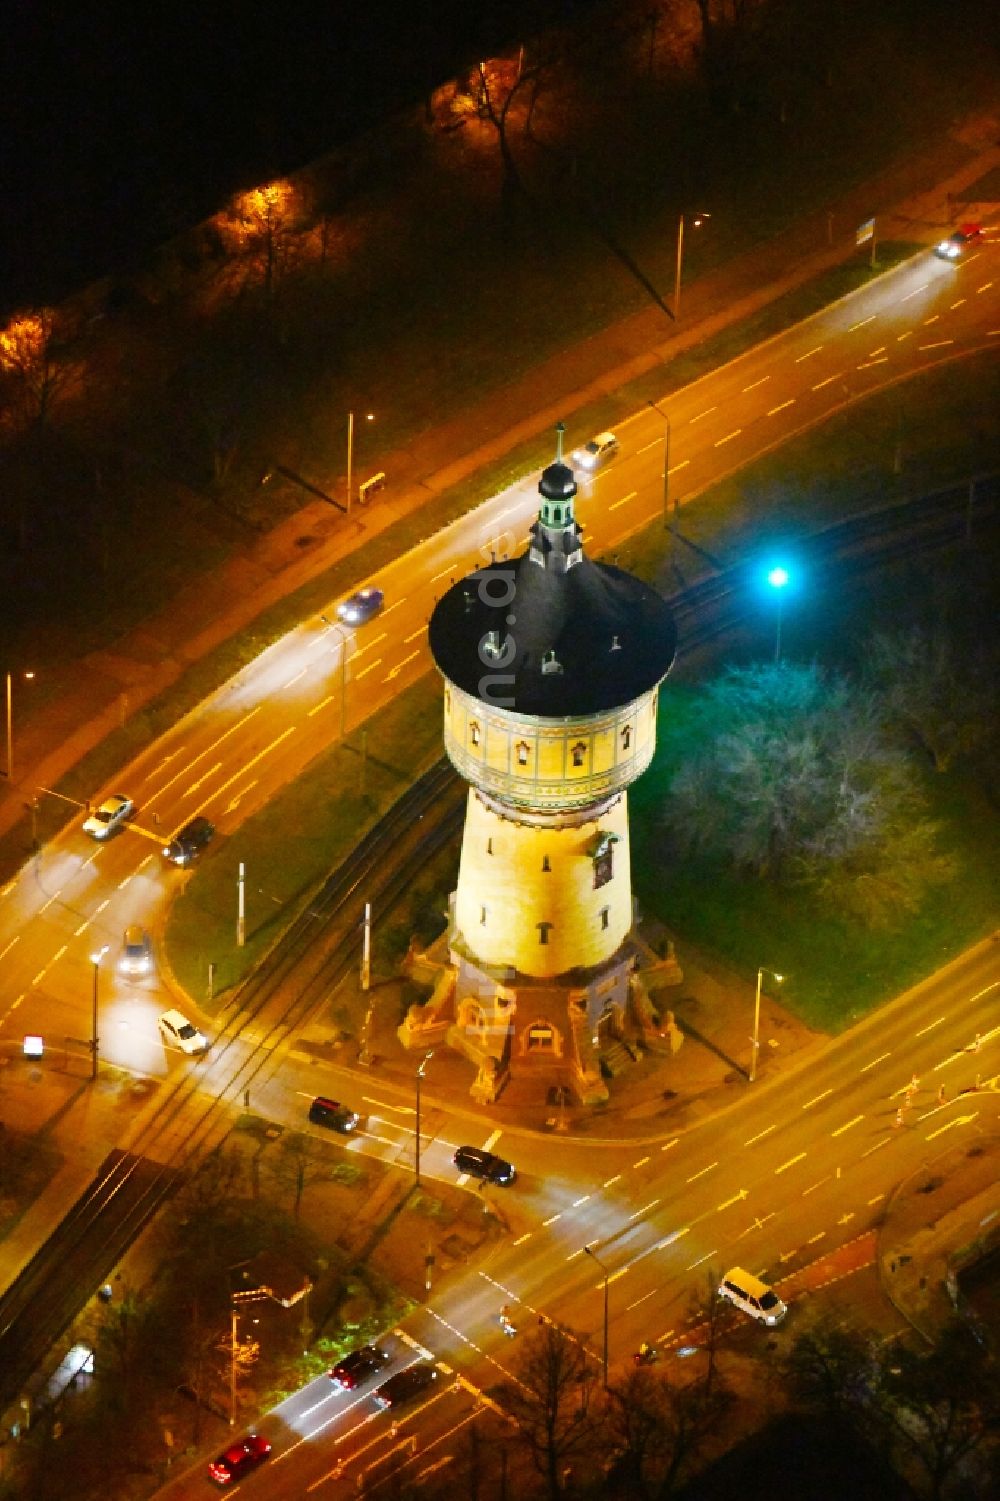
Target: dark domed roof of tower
[(552, 633)]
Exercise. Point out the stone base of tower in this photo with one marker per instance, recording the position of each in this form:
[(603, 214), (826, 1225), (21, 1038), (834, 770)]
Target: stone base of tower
[(511, 1026)]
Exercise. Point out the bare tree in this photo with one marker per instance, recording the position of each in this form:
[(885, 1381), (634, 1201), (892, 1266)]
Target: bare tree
[(296, 1168), (33, 368), (551, 1401), (939, 690)]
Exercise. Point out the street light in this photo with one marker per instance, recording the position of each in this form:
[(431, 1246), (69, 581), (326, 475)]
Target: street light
[(332, 626), (95, 960), (420, 1074), (666, 462), (10, 721), (369, 417), (696, 223), (778, 578), (604, 1271), (756, 1018)]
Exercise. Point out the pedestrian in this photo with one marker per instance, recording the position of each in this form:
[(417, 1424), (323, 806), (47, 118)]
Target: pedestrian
[(942, 1098), (977, 1044), (899, 1116), (914, 1085)]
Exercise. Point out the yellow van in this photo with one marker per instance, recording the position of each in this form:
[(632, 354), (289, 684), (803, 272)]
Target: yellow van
[(746, 1291)]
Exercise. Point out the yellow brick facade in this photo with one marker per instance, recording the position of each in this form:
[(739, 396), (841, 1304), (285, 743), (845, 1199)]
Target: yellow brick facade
[(526, 895)]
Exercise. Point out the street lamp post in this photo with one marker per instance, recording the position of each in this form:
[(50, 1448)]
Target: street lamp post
[(778, 578), (696, 223), (666, 463), (369, 417), (420, 1074), (10, 723), (95, 960), (604, 1272), (756, 1018)]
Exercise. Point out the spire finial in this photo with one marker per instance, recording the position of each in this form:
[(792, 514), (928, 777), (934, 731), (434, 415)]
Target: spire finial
[(560, 429)]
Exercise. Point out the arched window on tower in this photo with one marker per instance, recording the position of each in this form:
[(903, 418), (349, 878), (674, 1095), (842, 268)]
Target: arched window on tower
[(579, 753), (482, 916), (489, 845), (474, 732), (546, 863), (447, 700), (626, 737), (602, 854), (523, 751), (605, 917), (544, 928)]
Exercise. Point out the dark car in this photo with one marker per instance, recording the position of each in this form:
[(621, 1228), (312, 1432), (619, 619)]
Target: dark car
[(358, 608), (358, 1366), (240, 1457), (189, 842), (406, 1384), (324, 1112), (957, 243), (485, 1165)]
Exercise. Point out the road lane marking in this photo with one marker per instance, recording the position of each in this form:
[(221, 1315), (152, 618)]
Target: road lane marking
[(444, 573), (875, 1199), (960, 1120), (809, 354), (941, 344), (758, 1224), (879, 350), (790, 1163), (929, 1028), (807, 1191), (880, 1059), (608, 1182), (775, 410), (292, 681), (929, 321), (413, 635), (814, 1238), (40, 975), (784, 1256), (650, 1294), (677, 467), (124, 882), (671, 1238), (365, 670), (253, 761), (106, 903), (877, 1147), (651, 1205), (240, 724), (816, 1099), (761, 1134), (907, 335), (359, 651), (846, 1217), (6, 951), (395, 671), (641, 1162), (870, 319), (624, 500), (754, 384), (728, 438), (328, 700), (867, 364), (45, 907), (820, 384), (984, 288), (707, 1257), (706, 413), (701, 1172), (58, 955), (522, 1238), (959, 303), (76, 934), (672, 1143), (737, 1198), (551, 1220), (847, 1126), (202, 779), (577, 1202), (916, 292)]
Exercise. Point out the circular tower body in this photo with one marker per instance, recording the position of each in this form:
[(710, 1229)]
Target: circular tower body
[(551, 665)]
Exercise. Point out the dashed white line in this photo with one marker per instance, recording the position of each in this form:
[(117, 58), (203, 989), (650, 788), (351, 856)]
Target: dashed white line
[(878, 1145), (444, 573), (984, 288), (929, 321), (814, 1238), (813, 1186), (577, 1202), (676, 467), (624, 500), (76, 932), (124, 882), (816, 1099), (907, 335), (929, 1027), (645, 1208), (790, 1163), (701, 1172), (760, 1135), (58, 954), (413, 635), (650, 1294), (879, 350), (941, 343), (521, 1239), (867, 364), (847, 1126), (707, 1257), (706, 413), (875, 1199), (775, 410), (608, 1181), (40, 975), (46, 905), (365, 670), (809, 354), (754, 384), (292, 681), (880, 1059), (871, 319), (328, 700), (728, 438), (106, 903), (821, 383), (916, 292), (959, 303), (551, 1220), (641, 1162), (671, 1143), (10, 945)]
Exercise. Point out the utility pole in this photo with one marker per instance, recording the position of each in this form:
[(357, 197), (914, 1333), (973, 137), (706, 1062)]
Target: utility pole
[(241, 910)]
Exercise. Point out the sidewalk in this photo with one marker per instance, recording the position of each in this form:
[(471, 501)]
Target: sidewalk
[(84, 703)]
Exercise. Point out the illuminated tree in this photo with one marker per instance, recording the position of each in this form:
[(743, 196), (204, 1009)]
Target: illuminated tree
[(551, 1403), (261, 224), (32, 372)]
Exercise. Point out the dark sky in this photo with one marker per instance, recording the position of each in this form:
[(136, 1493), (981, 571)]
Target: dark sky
[(120, 123)]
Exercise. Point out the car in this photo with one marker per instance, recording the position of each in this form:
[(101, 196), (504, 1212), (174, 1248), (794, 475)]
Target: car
[(358, 1366), (406, 1384), (361, 606), (246, 1454), (189, 841), (745, 1291), (181, 1033), (109, 817), (958, 242), (597, 452), (480, 1164), (326, 1112), (137, 952)]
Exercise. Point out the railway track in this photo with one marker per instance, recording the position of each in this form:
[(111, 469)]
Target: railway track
[(323, 942)]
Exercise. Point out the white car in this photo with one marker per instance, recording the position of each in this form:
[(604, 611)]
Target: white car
[(178, 1031), (597, 452), (109, 817), (137, 952)]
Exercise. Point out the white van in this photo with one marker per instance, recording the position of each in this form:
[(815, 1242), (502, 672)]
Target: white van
[(746, 1291)]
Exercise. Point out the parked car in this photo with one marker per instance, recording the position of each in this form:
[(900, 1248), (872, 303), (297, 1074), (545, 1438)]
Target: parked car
[(180, 1033), (360, 607), (358, 1366), (954, 246), (188, 843), (406, 1385), (137, 952), (753, 1296), (480, 1164), (597, 452), (246, 1454), (326, 1112), (109, 817)]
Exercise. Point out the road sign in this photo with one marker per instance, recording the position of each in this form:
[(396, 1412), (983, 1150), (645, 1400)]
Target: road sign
[(864, 232)]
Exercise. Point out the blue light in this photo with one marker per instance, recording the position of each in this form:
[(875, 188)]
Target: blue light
[(778, 578)]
